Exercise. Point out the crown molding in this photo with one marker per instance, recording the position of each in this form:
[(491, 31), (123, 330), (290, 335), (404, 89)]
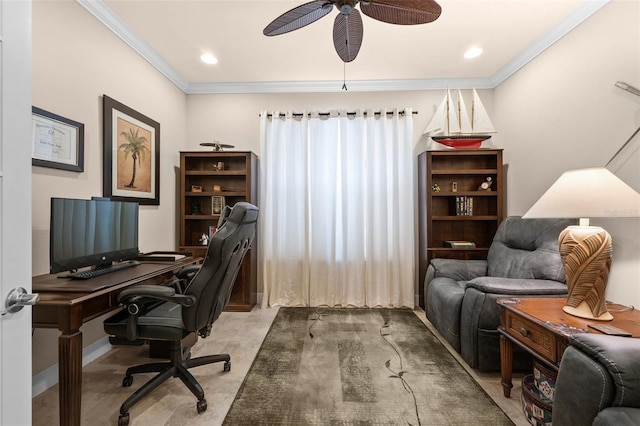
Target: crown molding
[(579, 15), (106, 16), (337, 86), (109, 19)]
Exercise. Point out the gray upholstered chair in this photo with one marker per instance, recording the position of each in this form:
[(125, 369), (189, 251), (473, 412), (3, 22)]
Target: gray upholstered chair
[(460, 295), (598, 382), (160, 313)]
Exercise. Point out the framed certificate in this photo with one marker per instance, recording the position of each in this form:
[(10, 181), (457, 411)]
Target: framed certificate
[(57, 142)]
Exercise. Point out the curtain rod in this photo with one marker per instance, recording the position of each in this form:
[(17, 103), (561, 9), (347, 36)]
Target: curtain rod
[(327, 114)]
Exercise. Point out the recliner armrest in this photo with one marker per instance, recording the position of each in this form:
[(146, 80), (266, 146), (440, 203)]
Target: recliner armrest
[(456, 269), (517, 286), (621, 357)]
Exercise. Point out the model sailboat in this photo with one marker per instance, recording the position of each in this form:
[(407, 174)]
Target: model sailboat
[(452, 125)]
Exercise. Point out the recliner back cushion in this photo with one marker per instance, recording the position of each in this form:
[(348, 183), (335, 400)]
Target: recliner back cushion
[(527, 248)]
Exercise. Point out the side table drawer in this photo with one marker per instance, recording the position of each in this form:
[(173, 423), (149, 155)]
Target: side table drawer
[(533, 336)]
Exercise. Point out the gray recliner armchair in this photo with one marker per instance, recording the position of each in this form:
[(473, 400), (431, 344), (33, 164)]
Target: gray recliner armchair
[(460, 295), (154, 312), (598, 382)]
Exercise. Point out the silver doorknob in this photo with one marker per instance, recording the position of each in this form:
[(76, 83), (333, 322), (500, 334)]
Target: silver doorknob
[(17, 299)]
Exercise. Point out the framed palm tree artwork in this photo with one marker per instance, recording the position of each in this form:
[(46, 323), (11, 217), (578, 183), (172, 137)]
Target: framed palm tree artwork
[(131, 154)]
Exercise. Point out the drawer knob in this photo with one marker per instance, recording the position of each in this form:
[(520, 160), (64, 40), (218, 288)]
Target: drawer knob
[(523, 331)]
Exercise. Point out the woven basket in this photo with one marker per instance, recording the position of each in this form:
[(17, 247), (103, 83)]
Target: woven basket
[(544, 379), (536, 406)]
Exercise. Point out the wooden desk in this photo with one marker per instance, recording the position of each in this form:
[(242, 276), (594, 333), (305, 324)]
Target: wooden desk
[(66, 304), (542, 328)]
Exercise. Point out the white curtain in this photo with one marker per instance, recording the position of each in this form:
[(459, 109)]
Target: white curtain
[(337, 209)]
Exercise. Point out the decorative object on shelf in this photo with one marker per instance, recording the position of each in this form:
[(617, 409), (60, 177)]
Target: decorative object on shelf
[(195, 207), (57, 142), (217, 188), (219, 166), (196, 188), (586, 250), (486, 185), (454, 186), (347, 27), (204, 240), (435, 187), (217, 146), (452, 126), (459, 244), (131, 154), (217, 204)]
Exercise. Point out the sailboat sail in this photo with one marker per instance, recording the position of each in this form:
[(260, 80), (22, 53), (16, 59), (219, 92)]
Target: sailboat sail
[(438, 124), (463, 116), (480, 119)]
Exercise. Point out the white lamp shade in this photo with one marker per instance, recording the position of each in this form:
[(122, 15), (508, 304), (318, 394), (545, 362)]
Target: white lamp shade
[(587, 193)]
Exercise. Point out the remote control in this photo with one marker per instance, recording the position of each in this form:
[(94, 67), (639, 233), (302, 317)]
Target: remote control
[(609, 329)]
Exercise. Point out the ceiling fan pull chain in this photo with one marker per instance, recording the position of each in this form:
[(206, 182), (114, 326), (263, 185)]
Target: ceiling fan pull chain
[(344, 77)]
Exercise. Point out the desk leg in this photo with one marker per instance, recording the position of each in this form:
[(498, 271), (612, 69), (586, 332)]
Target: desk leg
[(70, 377), (506, 364)]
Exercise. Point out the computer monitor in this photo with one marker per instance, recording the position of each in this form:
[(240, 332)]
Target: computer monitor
[(91, 233)]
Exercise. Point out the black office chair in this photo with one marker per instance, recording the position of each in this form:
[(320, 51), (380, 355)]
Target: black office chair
[(155, 312)]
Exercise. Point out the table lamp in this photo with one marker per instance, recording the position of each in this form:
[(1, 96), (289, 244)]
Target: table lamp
[(586, 250)]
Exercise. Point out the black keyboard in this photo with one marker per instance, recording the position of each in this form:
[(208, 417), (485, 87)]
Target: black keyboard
[(92, 273)]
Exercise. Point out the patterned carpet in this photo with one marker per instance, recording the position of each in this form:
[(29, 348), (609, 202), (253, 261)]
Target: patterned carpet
[(320, 366)]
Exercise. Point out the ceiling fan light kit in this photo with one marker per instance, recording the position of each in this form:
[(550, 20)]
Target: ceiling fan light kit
[(347, 28)]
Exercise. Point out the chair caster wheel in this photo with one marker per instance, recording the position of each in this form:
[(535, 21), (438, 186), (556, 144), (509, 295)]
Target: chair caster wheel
[(123, 420), (227, 366), (127, 381), (201, 406)]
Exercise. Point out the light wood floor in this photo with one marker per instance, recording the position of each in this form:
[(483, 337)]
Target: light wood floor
[(240, 335)]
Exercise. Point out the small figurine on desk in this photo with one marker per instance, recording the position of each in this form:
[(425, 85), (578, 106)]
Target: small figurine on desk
[(204, 239)]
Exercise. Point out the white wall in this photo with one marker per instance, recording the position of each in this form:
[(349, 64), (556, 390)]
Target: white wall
[(562, 111), (75, 61)]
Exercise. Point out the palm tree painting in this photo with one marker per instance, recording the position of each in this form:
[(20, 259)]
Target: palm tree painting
[(134, 157)]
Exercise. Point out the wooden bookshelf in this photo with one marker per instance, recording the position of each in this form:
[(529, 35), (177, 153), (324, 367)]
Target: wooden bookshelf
[(200, 180), (442, 177)]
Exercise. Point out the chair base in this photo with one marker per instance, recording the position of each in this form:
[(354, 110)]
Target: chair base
[(176, 367)]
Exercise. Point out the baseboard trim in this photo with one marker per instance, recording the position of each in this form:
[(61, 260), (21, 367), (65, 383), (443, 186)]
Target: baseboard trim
[(49, 377)]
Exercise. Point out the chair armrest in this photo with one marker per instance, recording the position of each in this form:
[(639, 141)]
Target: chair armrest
[(596, 372), (456, 269), (518, 286), (188, 271), (144, 294), (621, 357)]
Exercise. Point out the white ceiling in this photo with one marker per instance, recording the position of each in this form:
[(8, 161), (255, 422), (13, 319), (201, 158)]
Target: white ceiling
[(173, 34)]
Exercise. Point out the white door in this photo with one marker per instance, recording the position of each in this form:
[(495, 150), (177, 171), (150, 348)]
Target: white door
[(15, 209)]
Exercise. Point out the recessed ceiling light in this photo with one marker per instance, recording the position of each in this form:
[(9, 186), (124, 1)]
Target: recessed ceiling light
[(208, 58), (474, 52)]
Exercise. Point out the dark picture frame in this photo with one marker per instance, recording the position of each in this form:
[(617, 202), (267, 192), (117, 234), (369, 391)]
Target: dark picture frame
[(131, 154), (57, 142)]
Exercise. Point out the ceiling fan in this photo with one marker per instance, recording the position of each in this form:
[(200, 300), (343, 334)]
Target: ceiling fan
[(347, 27)]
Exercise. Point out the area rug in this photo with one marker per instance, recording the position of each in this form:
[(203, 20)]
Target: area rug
[(359, 367)]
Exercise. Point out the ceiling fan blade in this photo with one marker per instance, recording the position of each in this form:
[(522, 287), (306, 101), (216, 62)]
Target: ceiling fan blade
[(347, 35), (402, 12), (299, 17)]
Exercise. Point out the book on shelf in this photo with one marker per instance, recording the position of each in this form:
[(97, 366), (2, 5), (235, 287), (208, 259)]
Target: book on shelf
[(459, 244), (464, 205)]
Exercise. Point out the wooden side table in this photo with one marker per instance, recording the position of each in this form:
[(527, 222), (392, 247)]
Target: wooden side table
[(542, 328)]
